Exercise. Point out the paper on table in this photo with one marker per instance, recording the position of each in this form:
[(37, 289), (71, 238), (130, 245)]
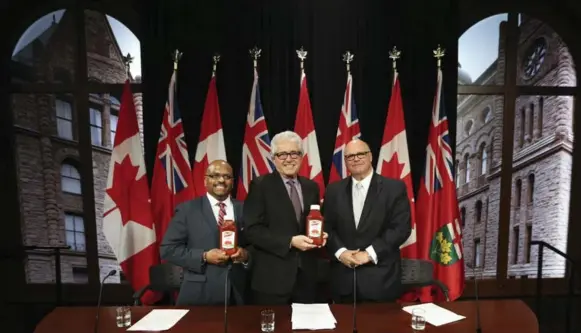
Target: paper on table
[(434, 314), (312, 317), (159, 320)]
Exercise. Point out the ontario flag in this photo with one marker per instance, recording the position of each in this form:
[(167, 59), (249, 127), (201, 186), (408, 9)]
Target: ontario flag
[(256, 157), (305, 127), (438, 216), (211, 143), (127, 220), (348, 130), (172, 176)]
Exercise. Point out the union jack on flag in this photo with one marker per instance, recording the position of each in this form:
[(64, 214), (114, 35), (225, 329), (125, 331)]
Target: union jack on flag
[(434, 171), (172, 181), (256, 156), (348, 130)]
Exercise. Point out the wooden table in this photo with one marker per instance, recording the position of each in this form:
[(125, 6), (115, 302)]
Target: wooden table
[(498, 316)]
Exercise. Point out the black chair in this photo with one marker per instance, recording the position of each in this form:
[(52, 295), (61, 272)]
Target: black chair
[(418, 273), (165, 278)]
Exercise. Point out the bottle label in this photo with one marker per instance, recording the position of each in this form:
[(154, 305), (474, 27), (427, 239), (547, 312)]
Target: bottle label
[(228, 239), (315, 227)]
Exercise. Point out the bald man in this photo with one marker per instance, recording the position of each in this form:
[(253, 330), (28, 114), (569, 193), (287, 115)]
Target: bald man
[(367, 217), (192, 242)]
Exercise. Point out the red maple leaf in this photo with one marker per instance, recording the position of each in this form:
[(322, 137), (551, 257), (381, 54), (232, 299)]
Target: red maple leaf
[(129, 194), (392, 168)]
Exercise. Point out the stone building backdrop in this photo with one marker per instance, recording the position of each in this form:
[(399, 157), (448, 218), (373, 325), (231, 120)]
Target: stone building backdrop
[(47, 152), (542, 166)]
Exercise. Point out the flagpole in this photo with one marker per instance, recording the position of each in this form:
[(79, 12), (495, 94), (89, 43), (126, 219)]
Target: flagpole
[(215, 59), (127, 60), (255, 54), (302, 54), (348, 58), (439, 53), (394, 54)]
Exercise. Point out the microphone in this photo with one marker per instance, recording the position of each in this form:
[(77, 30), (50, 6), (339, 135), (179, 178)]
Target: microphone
[(354, 300), (111, 273), (227, 295)]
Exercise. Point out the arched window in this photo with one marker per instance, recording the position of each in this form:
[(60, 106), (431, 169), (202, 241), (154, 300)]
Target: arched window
[(483, 159), (478, 209), (543, 88), (70, 179)]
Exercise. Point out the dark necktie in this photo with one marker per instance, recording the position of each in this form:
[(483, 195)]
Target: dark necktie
[(294, 196)]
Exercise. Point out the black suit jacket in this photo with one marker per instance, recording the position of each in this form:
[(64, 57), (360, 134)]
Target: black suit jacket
[(270, 225), (385, 224), (193, 230)]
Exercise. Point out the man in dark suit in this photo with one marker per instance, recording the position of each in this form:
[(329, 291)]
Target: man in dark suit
[(192, 242), (367, 217), (284, 265)]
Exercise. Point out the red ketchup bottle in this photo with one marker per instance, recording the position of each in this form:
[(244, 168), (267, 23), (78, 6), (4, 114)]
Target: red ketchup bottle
[(315, 225), (228, 236)]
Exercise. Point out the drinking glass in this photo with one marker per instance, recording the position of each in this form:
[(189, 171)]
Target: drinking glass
[(267, 321), (123, 316), (418, 319)]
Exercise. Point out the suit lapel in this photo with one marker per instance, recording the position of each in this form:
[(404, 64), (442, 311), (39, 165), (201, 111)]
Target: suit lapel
[(375, 187), (307, 197), (237, 211), (280, 191), (209, 217)]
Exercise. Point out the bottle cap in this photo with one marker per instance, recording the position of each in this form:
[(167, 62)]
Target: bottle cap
[(315, 207), (228, 217)]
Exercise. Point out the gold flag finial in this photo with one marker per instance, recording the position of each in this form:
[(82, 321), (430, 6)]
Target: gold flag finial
[(439, 53), (255, 54), (127, 60), (177, 55), (215, 60), (394, 54), (348, 58), (302, 54)]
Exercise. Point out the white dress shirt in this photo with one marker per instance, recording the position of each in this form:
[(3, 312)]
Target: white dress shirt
[(215, 204), (358, 194)]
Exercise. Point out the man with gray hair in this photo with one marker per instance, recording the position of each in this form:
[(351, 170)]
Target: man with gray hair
[(284, 270)]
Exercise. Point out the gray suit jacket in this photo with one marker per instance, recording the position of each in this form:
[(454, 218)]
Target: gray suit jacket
[(193, 230)]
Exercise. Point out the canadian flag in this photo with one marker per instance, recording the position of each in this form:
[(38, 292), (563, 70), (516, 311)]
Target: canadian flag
[(394, 161), (304, 126), (211, 143), (128, 221)]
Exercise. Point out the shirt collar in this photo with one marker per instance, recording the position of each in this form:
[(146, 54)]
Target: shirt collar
[(365, 181), (214, 202)]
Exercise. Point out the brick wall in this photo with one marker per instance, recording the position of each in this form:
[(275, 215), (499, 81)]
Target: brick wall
[(543, 149)]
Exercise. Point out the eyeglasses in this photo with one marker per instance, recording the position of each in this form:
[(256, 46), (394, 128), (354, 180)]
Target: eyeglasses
[(217, 176), (359, 155), (293, 154)]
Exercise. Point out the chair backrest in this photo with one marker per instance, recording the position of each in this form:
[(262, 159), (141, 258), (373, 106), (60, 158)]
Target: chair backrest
[(417, 272), (165, 277)]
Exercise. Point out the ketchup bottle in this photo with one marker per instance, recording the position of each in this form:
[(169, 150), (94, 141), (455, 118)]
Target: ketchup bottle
[(315, 225), (228, 236)]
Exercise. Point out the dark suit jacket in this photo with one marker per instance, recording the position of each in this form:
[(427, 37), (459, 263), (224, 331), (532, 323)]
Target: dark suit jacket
[(192, 231), (270, 225), (385, 224)]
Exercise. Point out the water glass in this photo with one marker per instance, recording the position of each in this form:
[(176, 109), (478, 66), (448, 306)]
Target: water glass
[(123, 316), (418, 319), (267, 321)]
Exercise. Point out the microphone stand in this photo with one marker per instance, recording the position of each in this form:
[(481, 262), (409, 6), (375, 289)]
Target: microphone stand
[(226, 295), (354, 300), (478, 327), (111, 273)]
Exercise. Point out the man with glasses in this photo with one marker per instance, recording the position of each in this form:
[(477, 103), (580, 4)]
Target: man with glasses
[(192, 242), (367, 217), (284, 265)]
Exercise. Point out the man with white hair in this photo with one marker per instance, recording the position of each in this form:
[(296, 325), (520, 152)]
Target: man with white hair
[(284, 268)]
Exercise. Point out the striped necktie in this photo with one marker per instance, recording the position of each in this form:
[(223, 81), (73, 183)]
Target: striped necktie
[(221, 213)]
